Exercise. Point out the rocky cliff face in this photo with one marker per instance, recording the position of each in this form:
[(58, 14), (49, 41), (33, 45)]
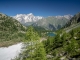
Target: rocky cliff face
[(74, 20)]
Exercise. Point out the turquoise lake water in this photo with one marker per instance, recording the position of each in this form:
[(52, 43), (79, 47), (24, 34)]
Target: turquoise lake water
[(51, 34)]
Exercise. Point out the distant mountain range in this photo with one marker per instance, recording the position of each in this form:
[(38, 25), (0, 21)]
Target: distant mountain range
[(24, 18), (50, 22), (65, 16)]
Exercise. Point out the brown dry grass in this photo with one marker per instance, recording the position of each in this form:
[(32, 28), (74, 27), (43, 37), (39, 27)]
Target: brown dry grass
[(8, 43)]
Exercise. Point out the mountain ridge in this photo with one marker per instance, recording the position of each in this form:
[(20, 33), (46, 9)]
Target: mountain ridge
[(74, 20), (32, 18), (50, 22)]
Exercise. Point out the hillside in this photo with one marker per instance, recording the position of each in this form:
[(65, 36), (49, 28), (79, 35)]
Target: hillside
[(65, 47), (66, 44), (10, 29), (74, 20), (73, 23)]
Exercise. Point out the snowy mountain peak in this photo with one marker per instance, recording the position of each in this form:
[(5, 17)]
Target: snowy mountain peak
[(24, 18), (65, 16), (68, 16), (30, 14)]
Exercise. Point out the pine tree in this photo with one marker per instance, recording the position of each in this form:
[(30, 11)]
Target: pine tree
[(72, 33), (57, 41), (40, 53), (31, 36)]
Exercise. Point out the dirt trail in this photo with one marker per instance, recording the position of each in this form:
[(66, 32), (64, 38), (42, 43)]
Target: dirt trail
[(42, 39)]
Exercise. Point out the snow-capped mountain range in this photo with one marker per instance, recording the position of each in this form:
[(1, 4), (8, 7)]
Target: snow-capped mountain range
[(24, 18), (65, 16), (50, 22)]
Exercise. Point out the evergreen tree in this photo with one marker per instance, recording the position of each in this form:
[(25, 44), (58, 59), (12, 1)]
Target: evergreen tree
[(72, 47), (40, 53), (37, 50), (31, 36), (63, 38), (57, 41), (72, 33)]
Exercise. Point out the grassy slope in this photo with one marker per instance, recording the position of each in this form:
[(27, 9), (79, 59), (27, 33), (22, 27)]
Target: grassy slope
[(67, 49), (10, 30)]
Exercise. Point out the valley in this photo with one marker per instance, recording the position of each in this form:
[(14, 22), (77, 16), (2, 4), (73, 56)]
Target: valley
[(38, 41)]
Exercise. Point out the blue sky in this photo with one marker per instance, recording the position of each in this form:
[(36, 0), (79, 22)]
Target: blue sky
[(40, 7)]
